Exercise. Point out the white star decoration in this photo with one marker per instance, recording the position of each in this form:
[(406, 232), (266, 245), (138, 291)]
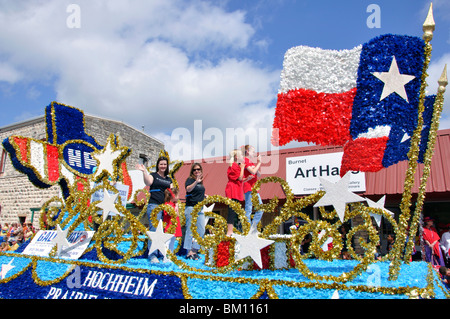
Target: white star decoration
[(6, 268), (338, 195), (394, 82), (108, 205), (335, 295), (251, 245), (405, 137), (60, 240), (379, 204), (107, 158), (207, 209), (158, 240)]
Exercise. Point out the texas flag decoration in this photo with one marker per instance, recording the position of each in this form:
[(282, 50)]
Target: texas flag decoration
[(316, 95), (65, 157), (365, 99), (377, 149)]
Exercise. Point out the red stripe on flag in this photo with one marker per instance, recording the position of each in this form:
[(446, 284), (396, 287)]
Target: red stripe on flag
[(52, 163), (363, 154), (308, 116), (22, 143), (127, 178)]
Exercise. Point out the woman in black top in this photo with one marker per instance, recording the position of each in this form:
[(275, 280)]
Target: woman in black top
[(158, 182), (195, 193)]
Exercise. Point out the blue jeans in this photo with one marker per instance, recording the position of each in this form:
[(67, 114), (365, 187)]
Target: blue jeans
[(151, 207), (249, 208), (188, 238)]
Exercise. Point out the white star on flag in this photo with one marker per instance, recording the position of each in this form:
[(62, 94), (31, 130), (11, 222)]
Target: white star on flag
[(394, 82), (251, 245), (108, 204), (60, 240), (6, 268), (338, 195), (158, 240), (405, 137)]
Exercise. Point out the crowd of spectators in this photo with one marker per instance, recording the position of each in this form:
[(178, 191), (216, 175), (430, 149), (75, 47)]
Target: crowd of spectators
[(12, 236), (436, 243)]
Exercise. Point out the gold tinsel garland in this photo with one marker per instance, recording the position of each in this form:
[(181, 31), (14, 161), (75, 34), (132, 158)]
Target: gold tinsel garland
[(413, 155), (265, 285), (117, 229), (112, 232), (291, 208), (437, 110)]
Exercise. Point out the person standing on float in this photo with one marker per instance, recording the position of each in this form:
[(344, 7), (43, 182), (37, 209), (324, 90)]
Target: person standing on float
[(158, 181), (195, 193), (251, 174), (233, 189), (445, 244), (431, 243)]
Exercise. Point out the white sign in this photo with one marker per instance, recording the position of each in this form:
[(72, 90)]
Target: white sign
[(41, 245), (122, 188), (303, 172)]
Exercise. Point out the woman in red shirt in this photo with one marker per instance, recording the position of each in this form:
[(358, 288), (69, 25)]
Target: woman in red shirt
[(233, 189), (431, 239), (251, 174)]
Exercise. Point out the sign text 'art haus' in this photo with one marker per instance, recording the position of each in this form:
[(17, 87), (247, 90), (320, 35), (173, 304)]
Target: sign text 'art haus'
[(303, 172)]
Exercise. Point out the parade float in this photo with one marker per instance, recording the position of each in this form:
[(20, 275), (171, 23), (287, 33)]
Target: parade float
[(91, 247)]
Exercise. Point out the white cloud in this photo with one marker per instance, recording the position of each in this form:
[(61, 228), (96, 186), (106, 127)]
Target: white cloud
[(161, 64), (204, 141), (434, 73), (202, 25), (9, 74)]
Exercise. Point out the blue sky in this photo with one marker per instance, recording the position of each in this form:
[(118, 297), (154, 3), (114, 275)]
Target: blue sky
[(164, 64)]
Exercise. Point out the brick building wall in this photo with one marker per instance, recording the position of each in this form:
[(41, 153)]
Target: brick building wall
[(18, 196)]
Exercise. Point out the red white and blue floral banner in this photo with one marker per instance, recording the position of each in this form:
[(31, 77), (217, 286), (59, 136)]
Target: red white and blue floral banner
[(365, 99)]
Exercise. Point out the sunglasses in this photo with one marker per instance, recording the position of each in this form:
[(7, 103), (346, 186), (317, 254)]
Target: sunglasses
[(196, 169)]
